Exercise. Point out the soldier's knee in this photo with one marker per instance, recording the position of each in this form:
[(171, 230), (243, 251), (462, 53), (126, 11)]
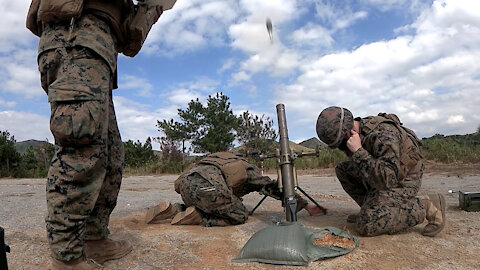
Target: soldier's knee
[(239, 219), (368, 229), (238, 214), (373, 223)]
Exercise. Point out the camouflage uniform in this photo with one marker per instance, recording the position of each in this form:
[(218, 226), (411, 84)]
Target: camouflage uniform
[(378, 179), (205, 187), (77, 65)]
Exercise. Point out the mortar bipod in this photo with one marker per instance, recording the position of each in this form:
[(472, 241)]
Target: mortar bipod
[(296, 187)]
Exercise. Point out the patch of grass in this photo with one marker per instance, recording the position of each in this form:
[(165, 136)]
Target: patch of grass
[(159, 167), (438, 148), (452, 149)]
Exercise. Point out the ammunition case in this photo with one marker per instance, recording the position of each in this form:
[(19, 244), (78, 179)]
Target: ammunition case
[(469, 201)]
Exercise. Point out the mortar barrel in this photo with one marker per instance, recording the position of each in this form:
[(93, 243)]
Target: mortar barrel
[(286, 165)]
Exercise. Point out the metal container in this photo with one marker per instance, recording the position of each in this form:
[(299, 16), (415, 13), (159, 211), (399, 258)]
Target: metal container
[(469, 201)]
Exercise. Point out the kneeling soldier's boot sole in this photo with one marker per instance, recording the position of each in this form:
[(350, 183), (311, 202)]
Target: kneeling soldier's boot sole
[(161, 212), (191, 216), (434, 225)]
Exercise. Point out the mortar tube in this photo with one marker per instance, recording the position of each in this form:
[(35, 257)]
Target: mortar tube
[(286, 165)]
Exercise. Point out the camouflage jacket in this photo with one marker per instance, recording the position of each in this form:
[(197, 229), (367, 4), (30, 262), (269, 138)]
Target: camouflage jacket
[(88, 31), (254, 182), (380, 161)]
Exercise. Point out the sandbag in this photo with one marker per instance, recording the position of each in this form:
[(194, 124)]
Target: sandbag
[(290, 243)]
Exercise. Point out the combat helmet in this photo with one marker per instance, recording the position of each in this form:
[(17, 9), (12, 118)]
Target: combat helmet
[(333, 124)]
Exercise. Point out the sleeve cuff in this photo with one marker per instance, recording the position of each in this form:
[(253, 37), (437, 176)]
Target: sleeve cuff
[(360, 155)]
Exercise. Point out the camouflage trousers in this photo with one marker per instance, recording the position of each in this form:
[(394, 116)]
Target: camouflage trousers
[(206, 189), (86, 171), (381, 211)]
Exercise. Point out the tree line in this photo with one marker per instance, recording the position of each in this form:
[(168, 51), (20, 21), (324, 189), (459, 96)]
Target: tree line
[(205, 129), (212, 127), (33, 163)]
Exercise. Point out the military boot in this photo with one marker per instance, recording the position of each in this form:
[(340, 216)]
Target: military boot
[(191, 216), (104, 250), (435, 214), (161, 212), (77, 264)]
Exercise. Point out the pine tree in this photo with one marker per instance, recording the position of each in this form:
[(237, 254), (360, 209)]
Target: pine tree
[(9, 156), (256, 133), (209, 129)]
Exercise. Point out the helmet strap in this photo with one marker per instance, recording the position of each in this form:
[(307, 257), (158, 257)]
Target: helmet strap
[(339, 135)]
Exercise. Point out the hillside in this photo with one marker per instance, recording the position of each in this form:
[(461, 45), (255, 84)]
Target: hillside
[(312, 143), (468, 139), (453, 148), (23, 146), (299, 148)]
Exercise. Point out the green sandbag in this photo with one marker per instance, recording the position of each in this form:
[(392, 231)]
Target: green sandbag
[(284, 243), (292, 244)]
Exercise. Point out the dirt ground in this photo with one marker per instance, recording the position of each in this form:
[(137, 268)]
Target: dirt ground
[(162, 246)]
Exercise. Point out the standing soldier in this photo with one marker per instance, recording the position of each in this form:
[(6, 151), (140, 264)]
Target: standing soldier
[(212, 191), (77, 60), (383, 174)]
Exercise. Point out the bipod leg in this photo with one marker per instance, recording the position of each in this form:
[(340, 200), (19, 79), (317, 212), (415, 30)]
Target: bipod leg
[(258, 204), (324, 210)]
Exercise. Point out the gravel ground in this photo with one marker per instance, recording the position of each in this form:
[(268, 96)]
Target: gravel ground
[(162, 246)]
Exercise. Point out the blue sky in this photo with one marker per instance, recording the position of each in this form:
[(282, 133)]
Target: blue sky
[(418, 59)]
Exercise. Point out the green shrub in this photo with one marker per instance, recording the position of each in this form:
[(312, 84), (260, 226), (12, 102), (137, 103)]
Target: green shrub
[(160, 167), (450, 149)]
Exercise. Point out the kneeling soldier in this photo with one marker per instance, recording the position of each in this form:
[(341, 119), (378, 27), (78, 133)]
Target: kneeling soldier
[(212, 191), (383, 173)]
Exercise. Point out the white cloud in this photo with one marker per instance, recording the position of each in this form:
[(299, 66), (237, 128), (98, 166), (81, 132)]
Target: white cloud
[(313, 35), (203, 84), (13, 32), (350, 19), (182, 93), (337, 18), (455, 119), (425, 77), (387, 5), (182, 97), (25, 126), (142, 86), (137, 121), (227, 64), (191, 25), (251, 36), (9, 104), (240, 76), (19, 74)]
